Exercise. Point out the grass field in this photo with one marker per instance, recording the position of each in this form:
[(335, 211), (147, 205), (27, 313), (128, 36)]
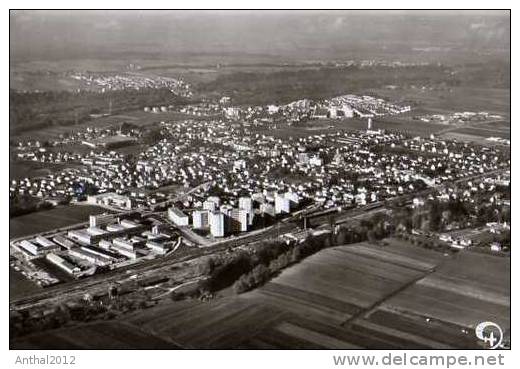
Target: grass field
[(42, 221), (484, 132), (33, 169), (19, 285), (355, 296)]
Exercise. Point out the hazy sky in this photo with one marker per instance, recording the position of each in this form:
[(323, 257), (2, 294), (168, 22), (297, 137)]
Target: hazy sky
[(79, 34)]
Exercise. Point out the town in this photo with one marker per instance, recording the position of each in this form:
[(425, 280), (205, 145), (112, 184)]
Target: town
[(237, 181), (259, 180)]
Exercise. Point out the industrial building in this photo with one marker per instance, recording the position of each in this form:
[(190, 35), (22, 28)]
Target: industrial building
[(158, 248), (38, 247), (81, 235), (64, 242), (63, 264), (89, 256)]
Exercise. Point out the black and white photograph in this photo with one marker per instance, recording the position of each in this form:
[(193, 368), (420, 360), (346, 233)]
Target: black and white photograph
[(259, 180)]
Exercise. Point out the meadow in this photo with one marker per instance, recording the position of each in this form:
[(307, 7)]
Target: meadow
[(45, 220)]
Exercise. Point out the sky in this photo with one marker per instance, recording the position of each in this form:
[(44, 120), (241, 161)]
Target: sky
[(40, 35)]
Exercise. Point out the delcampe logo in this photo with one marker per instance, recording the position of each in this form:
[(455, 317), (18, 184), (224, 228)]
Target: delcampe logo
[(490, 333)]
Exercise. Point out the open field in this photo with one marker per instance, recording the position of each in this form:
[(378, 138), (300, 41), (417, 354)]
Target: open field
[(449, 100), (321, 303), (21, 169), (96, 336), (134, 117), (484, 132), (465, 290), (19, 285), (45, 220), (465, 137)]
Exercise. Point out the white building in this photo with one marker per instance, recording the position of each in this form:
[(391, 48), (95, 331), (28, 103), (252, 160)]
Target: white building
[(158, 248), (281, 204), (178, 217), (239, 220), (217, 223), (211, 203), (101, 219), (246, 203), (63, 264), (200, 219)]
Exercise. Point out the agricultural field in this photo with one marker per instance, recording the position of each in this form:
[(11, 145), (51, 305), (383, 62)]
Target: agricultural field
[(45, 220), (481, 131), (330, 300), (465, 290), (447, 100), (465, 137), (96, 336)]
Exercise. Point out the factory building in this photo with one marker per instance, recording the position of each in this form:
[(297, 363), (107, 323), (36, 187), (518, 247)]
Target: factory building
[(217, 223), (104, 254), (158, 248), (46, 243), (124, 243), (95, 231), (178, 217), (128, 224), (115, 228), (64, 242), (38, 246), (129, 253), (81, 235), (63, 264), (89, 256)]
